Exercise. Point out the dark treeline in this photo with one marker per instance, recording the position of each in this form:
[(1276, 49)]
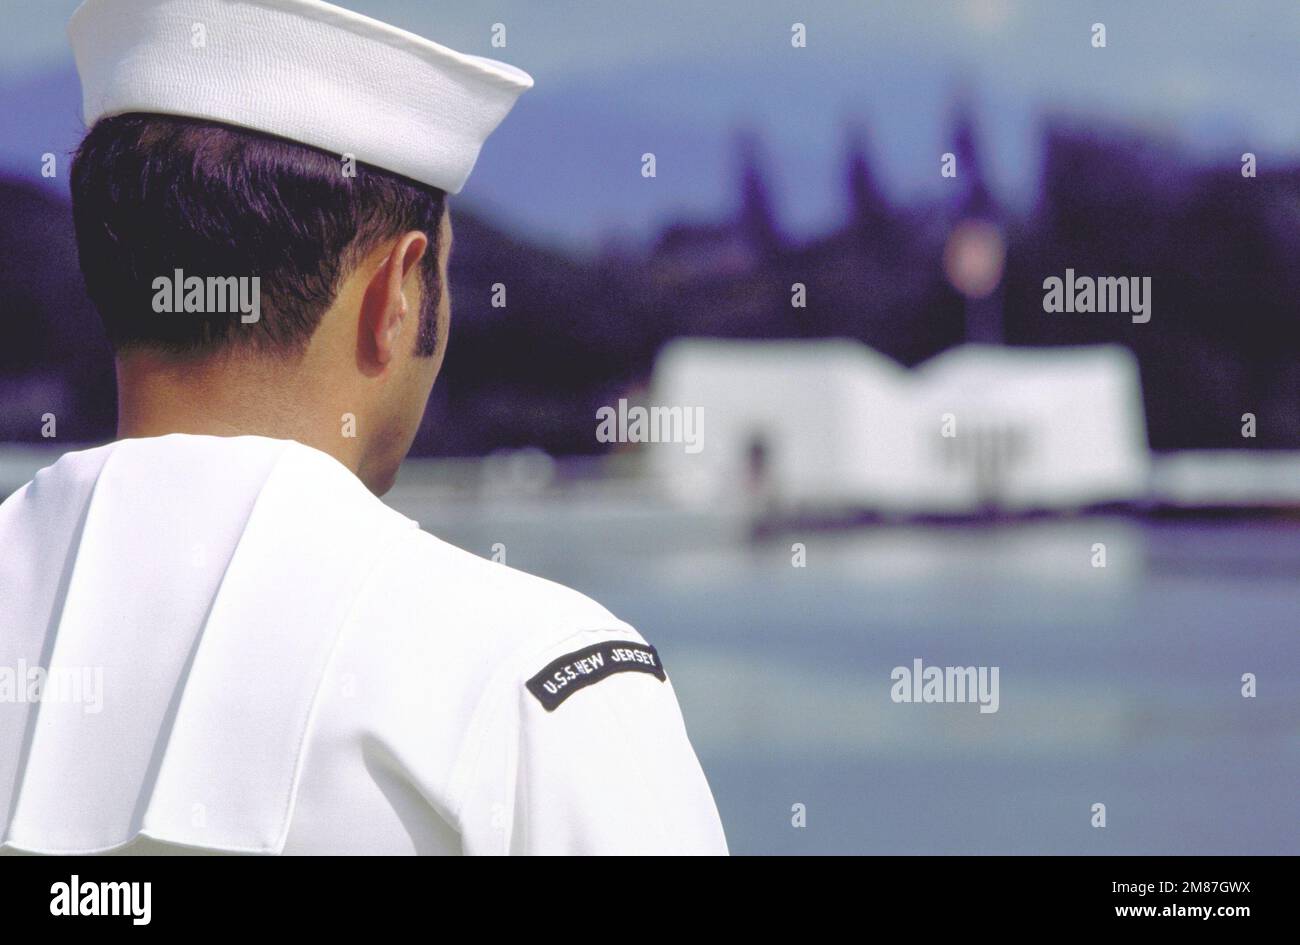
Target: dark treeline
[(1222, 252)]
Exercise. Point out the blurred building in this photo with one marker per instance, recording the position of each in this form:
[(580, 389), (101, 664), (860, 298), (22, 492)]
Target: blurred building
[(834, 427)]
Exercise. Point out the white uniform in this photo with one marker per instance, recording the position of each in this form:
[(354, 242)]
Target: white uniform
[(230, 645)]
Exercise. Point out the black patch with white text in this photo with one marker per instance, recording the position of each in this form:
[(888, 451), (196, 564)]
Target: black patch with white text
[(582, 668)]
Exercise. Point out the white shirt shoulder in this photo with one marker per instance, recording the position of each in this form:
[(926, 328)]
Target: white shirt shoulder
[(533, 719), (270, 660)]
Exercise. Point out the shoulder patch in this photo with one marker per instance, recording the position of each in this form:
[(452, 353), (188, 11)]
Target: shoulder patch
[(563, 677)]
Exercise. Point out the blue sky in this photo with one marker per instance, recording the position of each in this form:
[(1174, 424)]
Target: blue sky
[(616, 79)]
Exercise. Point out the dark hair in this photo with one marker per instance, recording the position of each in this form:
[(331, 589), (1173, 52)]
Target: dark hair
[(154, 193)]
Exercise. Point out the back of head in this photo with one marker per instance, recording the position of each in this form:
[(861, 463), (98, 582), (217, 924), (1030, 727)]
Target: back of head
[(261, 219), (157, 197), (256, 285)]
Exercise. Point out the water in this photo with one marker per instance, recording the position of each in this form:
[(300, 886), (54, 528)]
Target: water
[(1118, 685)]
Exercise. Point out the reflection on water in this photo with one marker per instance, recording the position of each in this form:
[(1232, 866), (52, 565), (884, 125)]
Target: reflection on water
[(1118, 685)]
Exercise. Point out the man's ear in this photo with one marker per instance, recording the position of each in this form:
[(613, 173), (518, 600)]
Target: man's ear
[(388, 315)]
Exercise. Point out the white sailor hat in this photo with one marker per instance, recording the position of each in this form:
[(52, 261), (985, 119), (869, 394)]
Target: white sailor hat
[(300, 69)]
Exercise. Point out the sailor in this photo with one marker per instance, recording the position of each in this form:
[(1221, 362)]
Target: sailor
[(282, 663)]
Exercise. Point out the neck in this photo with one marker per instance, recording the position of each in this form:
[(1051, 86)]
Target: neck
[(158, 394)]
